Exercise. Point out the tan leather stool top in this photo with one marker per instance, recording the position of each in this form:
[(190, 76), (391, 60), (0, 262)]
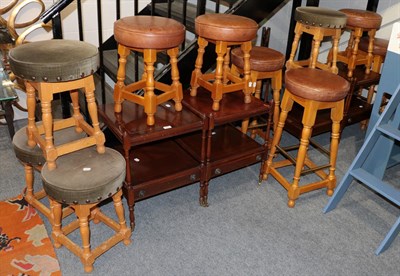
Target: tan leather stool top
[(149, 32), (262, 59), (362, 18), (316, 85), (226, 27)]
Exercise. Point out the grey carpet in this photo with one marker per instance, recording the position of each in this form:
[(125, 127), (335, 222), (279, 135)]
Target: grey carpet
[(246, 230)]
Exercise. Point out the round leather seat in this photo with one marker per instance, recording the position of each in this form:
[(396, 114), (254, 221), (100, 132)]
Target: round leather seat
[(54, 60), (262, 59), (85, 176), (34, 156), (380, 46), (320, 17), (226, 27), (362, 18), (316, 84), (149, 32)]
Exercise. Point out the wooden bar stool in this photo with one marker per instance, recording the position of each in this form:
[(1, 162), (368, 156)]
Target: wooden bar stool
[(320, 23), (359, 21), (148, 35), (33, 159), (314, 90), (224, 30), (95, 178), (54, 66), (265, 63)]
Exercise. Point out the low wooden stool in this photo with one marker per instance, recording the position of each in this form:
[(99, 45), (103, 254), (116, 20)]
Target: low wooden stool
[(359, 21), (148, 35), (54, 66), (95, 178), (224, 30), (320, 23), (32, 158), (265, 63), (314, 90)]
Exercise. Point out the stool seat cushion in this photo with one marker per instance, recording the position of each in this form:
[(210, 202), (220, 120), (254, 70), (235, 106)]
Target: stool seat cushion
[(85, 176), (315, 84), (380, 46), (262, 59), (362, 19), (54, 60), (320, 17), (34, 156), (226, 27), (149, 32)]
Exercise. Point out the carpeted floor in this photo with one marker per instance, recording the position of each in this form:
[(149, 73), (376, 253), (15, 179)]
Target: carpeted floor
[(246, 230)]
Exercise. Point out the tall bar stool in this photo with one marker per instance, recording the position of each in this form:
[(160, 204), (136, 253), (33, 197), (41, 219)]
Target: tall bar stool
[(359, 21), (148, 35), (96, 178), (51, 67), (224, 30), (265, 63), (313, 89), (33, 159), (320, 23)]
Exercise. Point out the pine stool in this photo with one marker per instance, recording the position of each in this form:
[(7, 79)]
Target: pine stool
[(320, 23), (224, 30), (265, 63), (359, 21), (314, 90), (148, 35), (32, 158), (54, 66), (96, 178)]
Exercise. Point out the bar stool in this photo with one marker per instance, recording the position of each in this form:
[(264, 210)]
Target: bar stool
[(148, 35), (359, 21), (265, 63), (320, 23), (314, 90), (32, 158), (96, 178), (51, 67), (224, 30)]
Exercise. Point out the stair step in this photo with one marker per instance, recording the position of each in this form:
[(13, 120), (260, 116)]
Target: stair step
[(385, 189), (390, 130)]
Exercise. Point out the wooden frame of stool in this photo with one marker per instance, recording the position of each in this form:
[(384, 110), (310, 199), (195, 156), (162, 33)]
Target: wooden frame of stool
[(85, 214)]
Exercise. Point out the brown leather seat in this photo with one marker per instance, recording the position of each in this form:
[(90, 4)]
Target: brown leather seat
[(379, 48), (226, 27), (148, 35), (224, 30), (314, 90), (362, 18), (149, 32)]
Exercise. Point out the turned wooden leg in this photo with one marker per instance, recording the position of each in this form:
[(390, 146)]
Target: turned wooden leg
[(150, 99), (76, 110), (352, 61), (29, 182), (336, 116), (92, 107), (216, 94), (286, 106), (56, 217), (31, 106), (119, 210), (173, 54), (248, 88), (335, 50), (297, 34), (371, 35), (123, 53), (83, 213), (47, 119), (310, 113), (276, 85), (197, 67)]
